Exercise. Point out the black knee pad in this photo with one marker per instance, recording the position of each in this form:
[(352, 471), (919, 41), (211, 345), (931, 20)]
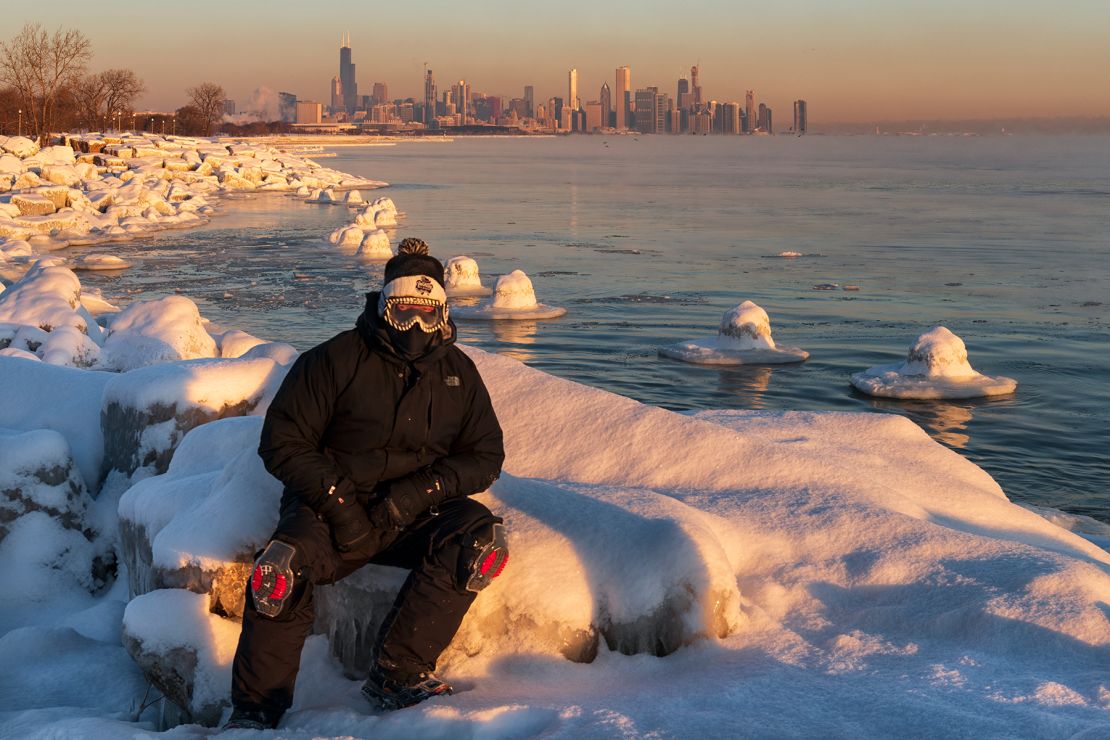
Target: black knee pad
[(484, 553), (276, 584)]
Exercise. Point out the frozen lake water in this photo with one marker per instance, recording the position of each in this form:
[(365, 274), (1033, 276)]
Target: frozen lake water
[(648, 240)]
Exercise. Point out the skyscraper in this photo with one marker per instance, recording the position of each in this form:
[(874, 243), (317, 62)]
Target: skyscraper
[(682, 91), (529, 101), (695, 84), (348, 86), (462, 101), (572, 90), (606, 100), (381, 92), (749, 111), (623, 103), (801, 122), (429, 99), (764, 120), (337, 95)]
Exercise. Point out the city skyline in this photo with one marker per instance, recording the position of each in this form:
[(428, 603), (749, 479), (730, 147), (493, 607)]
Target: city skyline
[(860, 61)]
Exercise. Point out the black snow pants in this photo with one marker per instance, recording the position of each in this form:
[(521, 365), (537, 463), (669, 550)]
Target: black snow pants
[(425, 616)]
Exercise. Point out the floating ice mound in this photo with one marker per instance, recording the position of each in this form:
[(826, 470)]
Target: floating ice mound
[(100, 262), (744, 339), (513, 298), (462, 279), (936, 367), (323, 197), (353, 198), (375, 245), (347, 236)]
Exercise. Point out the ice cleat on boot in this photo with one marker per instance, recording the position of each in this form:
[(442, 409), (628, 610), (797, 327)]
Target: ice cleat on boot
[(390, 694), (250, 719)]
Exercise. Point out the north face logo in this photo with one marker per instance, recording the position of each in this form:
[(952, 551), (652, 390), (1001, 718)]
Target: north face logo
[(424, 285)]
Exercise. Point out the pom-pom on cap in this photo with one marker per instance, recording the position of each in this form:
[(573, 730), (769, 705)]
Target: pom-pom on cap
[(412, 258)]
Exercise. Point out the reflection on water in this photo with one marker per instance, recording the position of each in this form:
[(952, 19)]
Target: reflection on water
[(515, 333), (746, 381), (945, 422)]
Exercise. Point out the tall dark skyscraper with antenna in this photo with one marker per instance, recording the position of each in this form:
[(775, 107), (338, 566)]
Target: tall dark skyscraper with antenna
[(347, 83)]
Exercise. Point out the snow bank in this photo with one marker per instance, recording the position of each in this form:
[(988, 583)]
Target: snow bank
[(743, 339), (462, 279), (63, 399), (937, 367), (513, 298)]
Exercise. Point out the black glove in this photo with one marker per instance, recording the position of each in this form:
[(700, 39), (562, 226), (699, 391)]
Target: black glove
[(348, 520), (403, 500)]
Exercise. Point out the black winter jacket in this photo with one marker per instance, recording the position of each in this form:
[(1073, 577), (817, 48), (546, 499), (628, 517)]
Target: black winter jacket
[(352, 410)]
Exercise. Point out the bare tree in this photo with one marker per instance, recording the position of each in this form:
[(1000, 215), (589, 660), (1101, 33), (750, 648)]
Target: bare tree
[(123, 88), (208, 99), (39, 65), (100, 97)]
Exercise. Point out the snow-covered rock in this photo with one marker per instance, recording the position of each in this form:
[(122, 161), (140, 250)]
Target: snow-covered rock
[(33, 204), (45, 539), (47, 296), (461, 278), (20, 146), (236, 343), (513, 298), (936, 367), (151, 332), (146, 412), (744, 338), (183, 650), (353, 199), (323, 197)]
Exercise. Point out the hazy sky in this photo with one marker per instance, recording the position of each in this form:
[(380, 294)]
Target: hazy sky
[(852, 60)]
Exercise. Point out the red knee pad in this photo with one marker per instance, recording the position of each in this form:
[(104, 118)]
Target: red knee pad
[(490, 555), (272, 580)]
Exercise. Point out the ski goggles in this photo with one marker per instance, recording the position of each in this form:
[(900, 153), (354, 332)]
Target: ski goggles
[(405, 312)]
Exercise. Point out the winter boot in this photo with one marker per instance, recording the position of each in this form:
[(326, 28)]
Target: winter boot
[(250, 719), (390, 694)]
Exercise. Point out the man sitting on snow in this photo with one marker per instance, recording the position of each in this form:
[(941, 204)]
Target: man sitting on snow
[(380, 435)]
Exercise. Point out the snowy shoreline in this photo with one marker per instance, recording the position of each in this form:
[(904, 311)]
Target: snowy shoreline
[(798, 577)]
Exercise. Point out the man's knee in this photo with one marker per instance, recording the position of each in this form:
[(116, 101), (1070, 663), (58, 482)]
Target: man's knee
[(280, 582), (477, 549)]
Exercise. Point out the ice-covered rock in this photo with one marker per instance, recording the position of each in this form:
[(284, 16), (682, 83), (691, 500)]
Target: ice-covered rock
[(33, 204), (198, 525), (375, 246), (43, 527), (147, 411), (150, 332), (349, 237), (353, 198), (384, 219), (461, 278), (513, 298), (936, 367), (184, 650), (744, 338)]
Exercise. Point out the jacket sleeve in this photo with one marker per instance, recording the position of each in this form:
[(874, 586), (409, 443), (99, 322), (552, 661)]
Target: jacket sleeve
[(474, 462), (290, 446)]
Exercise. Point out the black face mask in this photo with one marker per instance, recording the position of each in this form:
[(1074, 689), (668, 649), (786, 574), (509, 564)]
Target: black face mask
[(412, 344)]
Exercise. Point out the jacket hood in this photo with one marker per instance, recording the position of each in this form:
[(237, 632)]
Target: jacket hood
[(375, 333)]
